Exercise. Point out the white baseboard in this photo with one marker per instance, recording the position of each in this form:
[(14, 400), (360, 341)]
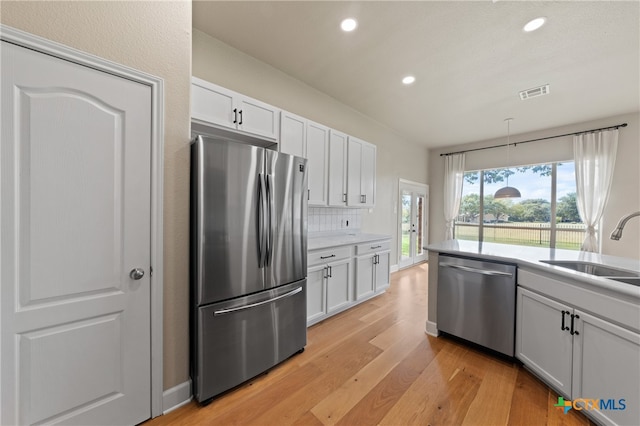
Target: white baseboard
[(432, 329), (176, 397), (394, 268)]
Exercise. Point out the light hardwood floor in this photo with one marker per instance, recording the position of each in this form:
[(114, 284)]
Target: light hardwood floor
[(373, 365)]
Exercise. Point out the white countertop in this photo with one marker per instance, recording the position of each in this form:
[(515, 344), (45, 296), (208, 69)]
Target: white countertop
[(322, 240), (531, 257)]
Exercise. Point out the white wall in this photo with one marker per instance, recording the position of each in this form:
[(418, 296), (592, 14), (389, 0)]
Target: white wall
[(625, 191), (221, 64), (154, 37)]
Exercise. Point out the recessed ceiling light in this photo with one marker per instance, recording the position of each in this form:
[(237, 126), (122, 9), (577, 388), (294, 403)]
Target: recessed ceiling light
[(349, 24), (408, 79), (534, 24)]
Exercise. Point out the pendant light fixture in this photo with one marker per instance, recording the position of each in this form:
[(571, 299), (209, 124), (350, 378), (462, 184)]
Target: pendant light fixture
[(507, 191)]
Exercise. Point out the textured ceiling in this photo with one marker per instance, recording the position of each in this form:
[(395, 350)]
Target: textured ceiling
[(470, 58)]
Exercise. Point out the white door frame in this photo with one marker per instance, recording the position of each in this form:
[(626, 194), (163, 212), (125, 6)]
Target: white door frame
[(156, 84), (418, 186)]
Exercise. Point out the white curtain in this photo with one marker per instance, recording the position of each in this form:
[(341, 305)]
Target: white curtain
[(595, 157), (453, 174)]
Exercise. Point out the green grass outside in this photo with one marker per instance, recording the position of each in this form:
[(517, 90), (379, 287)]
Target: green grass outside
[(565, 239), (406, 243)]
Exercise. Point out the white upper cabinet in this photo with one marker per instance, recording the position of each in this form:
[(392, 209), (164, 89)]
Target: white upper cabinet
[(337, 169), (215, 105), (341, 168), (361, 173), (293, 134), (304, 138), (318, 163)]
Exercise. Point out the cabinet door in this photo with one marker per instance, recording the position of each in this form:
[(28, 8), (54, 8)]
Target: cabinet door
[(337, 169), (293, 135), (338, 287), (354, 172), (212, 104), (257, 118), (365, 270), (316, 293), (368, 174), (541, 344), (606, 366), (382, 271), (317, 155)]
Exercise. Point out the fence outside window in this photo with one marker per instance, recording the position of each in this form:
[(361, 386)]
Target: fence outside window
[(568, 235)]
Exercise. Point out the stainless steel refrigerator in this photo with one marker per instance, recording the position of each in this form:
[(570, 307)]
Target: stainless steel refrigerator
[(248, 262)]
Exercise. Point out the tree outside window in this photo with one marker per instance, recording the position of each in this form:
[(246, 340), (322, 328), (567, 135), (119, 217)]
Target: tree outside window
[(525, 221)]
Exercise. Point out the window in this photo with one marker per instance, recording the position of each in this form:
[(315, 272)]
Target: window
[(545, 216)]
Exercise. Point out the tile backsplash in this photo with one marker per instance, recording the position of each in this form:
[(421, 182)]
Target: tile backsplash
[(323, 219)]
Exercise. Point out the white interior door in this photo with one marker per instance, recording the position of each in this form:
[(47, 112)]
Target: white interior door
[(74, 221), (412, 226)]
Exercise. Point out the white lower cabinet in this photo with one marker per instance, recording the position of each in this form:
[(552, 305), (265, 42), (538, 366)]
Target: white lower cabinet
[(316, 303), (372, 268), (606, 366), (329, 282), (330, 277), (589, 360), (541, 343), (338, 280)]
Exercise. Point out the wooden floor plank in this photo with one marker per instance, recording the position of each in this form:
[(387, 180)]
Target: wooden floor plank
[(404, 376), (374, 406), (493, 401), (416, 403), (332, 408), (530, 402)]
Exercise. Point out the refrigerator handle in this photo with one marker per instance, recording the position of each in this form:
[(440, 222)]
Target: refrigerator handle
[(262, 215), (253, 305), (270, 219)]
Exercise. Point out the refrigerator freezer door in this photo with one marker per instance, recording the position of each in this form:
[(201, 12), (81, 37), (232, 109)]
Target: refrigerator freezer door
[(241, 338), (226, 222), (287, 187)]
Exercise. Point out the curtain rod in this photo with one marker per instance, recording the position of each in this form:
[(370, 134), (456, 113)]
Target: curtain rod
[(536, 140)]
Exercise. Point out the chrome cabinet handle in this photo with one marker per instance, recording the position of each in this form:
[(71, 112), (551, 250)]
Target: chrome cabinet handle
[(253, 305), (136, 273), (476, 270)]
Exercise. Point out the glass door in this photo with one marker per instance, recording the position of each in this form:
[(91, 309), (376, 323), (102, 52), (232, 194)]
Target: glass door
[(412, 228)]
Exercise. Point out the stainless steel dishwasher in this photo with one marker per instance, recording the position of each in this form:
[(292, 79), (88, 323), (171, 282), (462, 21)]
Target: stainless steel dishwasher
[(476, 301)]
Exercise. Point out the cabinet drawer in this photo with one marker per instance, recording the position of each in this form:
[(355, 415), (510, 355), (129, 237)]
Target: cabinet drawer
[(328, 255), (373, 247)]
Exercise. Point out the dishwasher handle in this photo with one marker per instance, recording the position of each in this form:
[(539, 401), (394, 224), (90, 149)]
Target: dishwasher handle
[(476, 270)]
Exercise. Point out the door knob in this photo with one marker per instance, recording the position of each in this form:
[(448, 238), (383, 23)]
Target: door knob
[(136, 273)]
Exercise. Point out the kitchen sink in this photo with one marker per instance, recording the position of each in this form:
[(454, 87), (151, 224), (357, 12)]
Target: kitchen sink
[(633, 281), (620, 275), (593, 269)]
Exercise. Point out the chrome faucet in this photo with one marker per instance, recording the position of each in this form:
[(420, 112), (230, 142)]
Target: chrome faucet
[(617, 233)]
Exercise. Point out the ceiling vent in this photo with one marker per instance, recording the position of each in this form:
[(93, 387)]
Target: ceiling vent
[(535, 92)]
